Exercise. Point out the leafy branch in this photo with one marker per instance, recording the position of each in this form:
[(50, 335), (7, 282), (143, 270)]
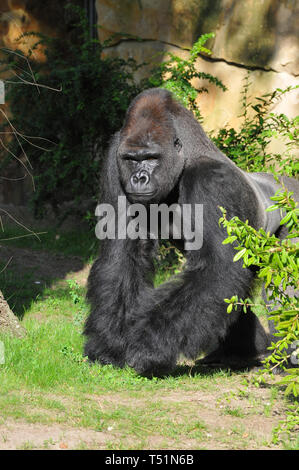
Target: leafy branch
[(278, 265), (177, 75), (248, 147)]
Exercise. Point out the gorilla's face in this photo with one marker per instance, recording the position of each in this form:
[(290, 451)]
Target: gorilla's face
[(149, 168)]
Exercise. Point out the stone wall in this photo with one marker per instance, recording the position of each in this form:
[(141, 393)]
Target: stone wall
[(21, 16), (256, 35)]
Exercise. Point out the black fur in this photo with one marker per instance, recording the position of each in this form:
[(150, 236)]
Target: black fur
[(148, 328)]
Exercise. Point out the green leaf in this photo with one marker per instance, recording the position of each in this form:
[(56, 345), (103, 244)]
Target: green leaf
[(286, 218), (229, 308), (239, 254), (229, 240)]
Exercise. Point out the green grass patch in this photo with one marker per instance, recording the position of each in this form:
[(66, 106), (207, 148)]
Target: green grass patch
[(50, 358)]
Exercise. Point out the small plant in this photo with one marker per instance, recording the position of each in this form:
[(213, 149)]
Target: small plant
[(170, 259), (236, 412), (286, 427), (177, 74), (79, 301), (74, 291), (71, 354)]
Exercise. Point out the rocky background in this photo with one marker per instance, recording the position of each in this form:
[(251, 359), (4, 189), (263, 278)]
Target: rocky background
[(256, 35)]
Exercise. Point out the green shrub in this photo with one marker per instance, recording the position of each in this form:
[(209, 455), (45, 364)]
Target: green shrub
[(278, 267), (249, 146), (92, 94)]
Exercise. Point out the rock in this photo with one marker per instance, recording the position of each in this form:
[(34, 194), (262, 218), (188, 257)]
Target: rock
[(8, 321), (22, 16), (254, 33)]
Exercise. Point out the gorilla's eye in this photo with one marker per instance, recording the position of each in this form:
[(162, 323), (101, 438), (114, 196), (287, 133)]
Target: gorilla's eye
[(152, 157), (140, 158), (129, 158)]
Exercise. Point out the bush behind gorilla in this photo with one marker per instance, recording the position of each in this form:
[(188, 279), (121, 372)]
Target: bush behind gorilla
[(162, 155)]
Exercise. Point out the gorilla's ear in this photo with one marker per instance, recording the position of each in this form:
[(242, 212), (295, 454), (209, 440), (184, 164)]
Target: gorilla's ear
[(178, 144)]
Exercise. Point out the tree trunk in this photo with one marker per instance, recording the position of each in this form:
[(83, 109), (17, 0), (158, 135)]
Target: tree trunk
[(8, 321)]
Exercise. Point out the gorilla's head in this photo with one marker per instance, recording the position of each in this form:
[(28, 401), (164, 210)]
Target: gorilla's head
[(150, 155)]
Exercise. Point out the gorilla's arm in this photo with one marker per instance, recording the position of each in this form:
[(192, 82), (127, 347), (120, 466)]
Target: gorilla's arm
[(188, 315), (123, 270)]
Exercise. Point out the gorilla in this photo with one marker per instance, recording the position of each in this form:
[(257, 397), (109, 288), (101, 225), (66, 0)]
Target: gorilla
[(162, 155)]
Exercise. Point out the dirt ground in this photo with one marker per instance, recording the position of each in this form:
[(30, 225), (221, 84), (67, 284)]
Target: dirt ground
[(222, 431)]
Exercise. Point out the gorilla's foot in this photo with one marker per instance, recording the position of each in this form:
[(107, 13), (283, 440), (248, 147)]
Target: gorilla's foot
[(149, 365), (230, 361), (104, 358)]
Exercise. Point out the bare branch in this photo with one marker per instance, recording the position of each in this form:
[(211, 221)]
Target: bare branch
[(6, 264), (26, 82), (16, 136), (23, 236), (21, 225), (10, 51), (28, 136)]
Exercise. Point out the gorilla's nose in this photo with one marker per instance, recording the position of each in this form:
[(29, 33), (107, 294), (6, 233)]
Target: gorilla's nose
[(139, 180)]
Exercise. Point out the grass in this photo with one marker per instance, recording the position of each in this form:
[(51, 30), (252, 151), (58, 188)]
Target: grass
[(47, 382), (237, 412), (50, 358)]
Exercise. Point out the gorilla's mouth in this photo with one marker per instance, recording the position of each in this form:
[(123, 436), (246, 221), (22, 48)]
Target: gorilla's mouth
[(146, 195)]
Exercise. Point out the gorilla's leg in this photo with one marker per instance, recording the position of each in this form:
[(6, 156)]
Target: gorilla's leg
[(245, 344), (187, 316)]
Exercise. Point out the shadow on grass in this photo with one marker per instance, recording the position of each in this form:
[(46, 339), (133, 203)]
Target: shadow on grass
[(21, 287), (26, 271), (201, 368)]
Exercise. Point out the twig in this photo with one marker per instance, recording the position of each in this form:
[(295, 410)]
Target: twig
[(26, 82), (19, 223), (252, 305), (23, 236), (6, 264), (16, 136), (29, 136), (28, 63)]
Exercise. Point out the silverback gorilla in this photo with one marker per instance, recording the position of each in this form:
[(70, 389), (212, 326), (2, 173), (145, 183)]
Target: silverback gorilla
[(162, 155)]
